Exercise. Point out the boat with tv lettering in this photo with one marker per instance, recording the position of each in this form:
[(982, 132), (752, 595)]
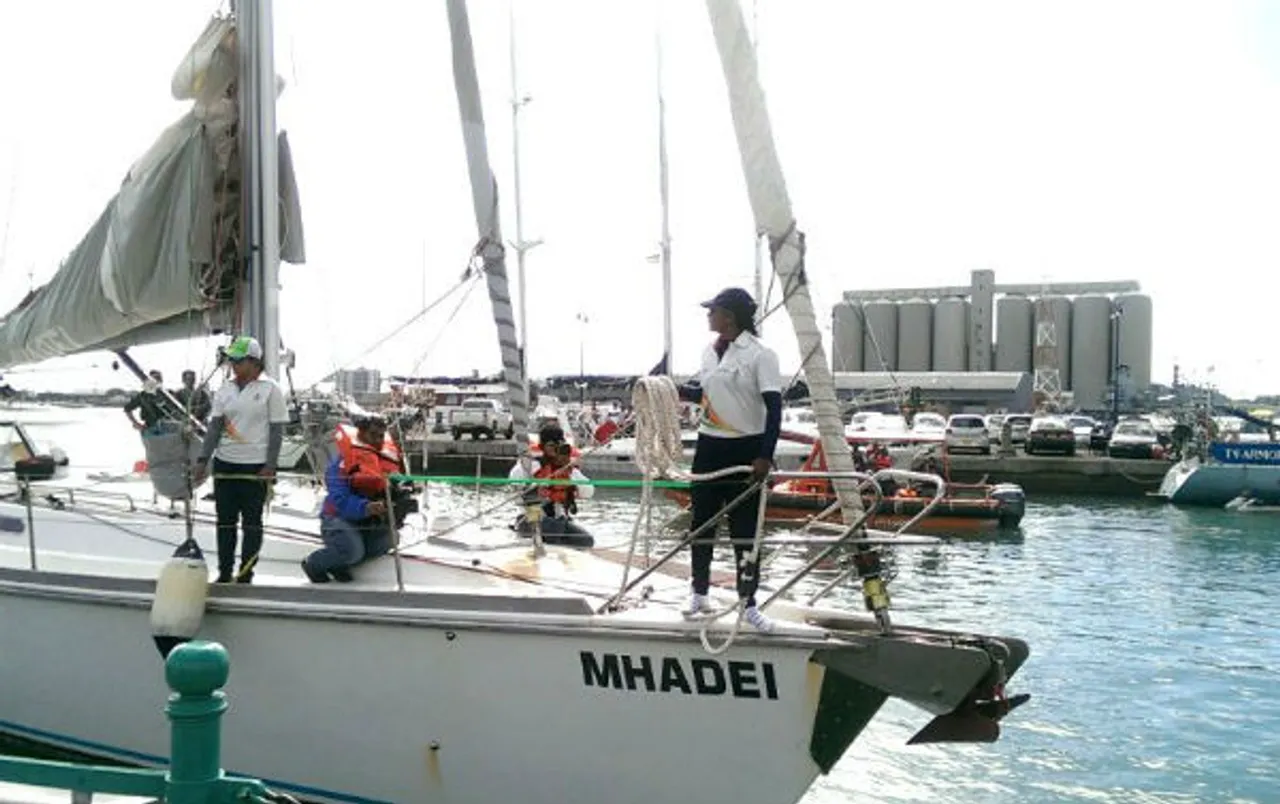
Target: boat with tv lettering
[(1225, 471)]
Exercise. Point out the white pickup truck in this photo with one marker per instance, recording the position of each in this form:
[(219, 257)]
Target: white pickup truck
[(480, 417)]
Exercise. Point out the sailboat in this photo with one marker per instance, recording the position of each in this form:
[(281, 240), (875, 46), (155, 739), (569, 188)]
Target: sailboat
[(458, 671)]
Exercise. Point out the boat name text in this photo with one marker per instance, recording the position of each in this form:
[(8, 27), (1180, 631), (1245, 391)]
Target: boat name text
[(621, 671)]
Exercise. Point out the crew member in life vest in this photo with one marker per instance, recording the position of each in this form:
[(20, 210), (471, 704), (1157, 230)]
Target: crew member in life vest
[(354, 521), (555, 459)]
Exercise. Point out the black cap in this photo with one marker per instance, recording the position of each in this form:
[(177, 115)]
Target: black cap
[(733, 299)]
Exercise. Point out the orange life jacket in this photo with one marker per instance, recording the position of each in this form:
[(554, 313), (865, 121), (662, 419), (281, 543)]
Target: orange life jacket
[(367, 466), (559, 494)]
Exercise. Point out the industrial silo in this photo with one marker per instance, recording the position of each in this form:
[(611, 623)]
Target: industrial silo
[(1091, 351), (915, 335), (1134, 341), (880, 344), (1015, 333), (1058, 310), (951, 335), (846, 337)]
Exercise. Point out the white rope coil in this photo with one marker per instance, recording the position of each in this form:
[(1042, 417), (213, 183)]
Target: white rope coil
[(656, 406)]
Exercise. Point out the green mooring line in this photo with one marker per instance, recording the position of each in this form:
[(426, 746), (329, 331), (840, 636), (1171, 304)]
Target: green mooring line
[(470, 480)]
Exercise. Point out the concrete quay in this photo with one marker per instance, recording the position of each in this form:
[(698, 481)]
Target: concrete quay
[(1079, 475)]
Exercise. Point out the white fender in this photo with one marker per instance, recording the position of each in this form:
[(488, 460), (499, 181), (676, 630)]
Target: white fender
[(177, 609)]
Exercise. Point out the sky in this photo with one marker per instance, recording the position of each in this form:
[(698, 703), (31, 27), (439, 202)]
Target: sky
[(1045, 141)]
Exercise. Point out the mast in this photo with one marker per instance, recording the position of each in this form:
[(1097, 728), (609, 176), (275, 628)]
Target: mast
[(260, 176), (664, 245), (484, 196), (521, 245)]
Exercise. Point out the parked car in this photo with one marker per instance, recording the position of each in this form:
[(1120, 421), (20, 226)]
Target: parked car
[(1082, 426), (481, 418), (966, 431), (1134, 438), (928, 424), (1020, 423), (995, 421), (1050, 434), (1100, 437)]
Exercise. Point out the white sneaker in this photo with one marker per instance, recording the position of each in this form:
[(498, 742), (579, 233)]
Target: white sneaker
[(758, 620), (698, 604)]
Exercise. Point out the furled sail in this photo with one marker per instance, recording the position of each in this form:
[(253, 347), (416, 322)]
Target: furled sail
[(484, 195), (160, 263), (771, 206)]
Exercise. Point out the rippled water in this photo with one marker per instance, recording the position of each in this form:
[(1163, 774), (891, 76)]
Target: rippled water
[(1155, 659), (1155, 666)]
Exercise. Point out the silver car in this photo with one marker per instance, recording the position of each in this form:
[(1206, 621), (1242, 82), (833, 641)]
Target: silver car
[(967, 431)]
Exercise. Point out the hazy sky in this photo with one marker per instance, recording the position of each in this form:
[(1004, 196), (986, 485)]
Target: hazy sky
[(1047, 141)]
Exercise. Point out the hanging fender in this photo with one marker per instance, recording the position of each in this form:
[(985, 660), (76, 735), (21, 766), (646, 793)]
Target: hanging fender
[(177, 609)]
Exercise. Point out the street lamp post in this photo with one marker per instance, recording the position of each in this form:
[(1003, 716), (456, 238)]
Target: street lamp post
[(1116, 315), (582, 362)]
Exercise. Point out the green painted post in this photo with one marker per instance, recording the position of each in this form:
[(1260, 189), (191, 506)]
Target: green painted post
[(196, 672)]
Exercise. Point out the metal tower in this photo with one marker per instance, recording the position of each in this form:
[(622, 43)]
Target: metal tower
[(1046, 389)]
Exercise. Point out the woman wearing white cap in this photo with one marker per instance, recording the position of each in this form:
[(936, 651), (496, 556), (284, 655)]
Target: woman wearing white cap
[(740, 391), (244, 438)]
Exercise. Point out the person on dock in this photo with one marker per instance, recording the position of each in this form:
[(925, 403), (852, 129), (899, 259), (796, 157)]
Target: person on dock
[(559, 503), (740, 390), (148, 402), (194, 400), (355, 522), (244, 440)]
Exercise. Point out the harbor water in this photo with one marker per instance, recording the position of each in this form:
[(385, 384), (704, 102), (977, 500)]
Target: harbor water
[(1155, 636)]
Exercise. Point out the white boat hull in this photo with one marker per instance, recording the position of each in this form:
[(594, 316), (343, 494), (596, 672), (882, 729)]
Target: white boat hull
[(418, 709), (488, 680), (1191, 482), (616, 460)]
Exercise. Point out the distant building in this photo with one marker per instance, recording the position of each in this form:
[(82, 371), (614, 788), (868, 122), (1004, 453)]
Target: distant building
[(358, 383), (1081, 341)]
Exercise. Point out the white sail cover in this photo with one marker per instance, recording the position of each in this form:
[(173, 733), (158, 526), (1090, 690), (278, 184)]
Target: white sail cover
[(771, 205), (160, 262)]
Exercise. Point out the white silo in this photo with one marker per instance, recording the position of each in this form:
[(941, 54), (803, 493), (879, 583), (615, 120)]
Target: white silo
[(846, 337), (1015, 333), (1135, 338), (951, 335), (915, 335), (1058, 310), (1091, 351), (880, 346)]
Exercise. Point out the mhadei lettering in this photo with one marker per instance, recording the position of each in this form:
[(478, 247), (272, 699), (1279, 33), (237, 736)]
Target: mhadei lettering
[(668, 674)]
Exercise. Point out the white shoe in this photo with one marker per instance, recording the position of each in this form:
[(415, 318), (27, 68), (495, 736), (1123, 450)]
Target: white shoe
[(758, 620), (698, 604)]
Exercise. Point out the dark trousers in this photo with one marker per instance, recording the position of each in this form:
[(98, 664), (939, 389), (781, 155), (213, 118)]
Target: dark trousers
[(238, 502), (710, 497)]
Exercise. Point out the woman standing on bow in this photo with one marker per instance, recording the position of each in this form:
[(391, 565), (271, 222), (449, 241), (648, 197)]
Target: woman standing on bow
[(739, 389)]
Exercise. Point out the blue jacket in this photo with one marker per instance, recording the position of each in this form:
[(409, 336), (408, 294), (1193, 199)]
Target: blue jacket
[(342, 501)]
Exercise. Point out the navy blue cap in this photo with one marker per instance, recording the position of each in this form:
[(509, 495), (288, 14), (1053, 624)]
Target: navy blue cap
[(733, 299)]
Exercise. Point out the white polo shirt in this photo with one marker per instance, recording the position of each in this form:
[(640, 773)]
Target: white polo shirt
[(732, 385), (248, 411)]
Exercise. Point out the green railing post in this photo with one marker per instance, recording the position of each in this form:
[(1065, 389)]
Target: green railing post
[(196, 672)]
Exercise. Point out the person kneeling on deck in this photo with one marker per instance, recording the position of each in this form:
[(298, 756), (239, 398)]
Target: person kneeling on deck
[(558, 502), (354, 521)]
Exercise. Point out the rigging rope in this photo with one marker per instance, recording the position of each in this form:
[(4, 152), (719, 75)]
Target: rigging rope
[(468, 277)]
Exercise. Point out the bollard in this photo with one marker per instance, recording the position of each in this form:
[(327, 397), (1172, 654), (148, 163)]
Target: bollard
[(196, 672)]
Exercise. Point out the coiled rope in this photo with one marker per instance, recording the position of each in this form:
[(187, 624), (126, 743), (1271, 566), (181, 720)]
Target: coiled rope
[(655, 403)]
